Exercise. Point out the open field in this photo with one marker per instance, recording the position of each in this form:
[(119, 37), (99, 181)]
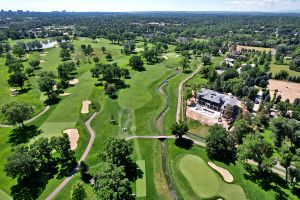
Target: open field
[(275, 69), (240, 47), (287, 90)]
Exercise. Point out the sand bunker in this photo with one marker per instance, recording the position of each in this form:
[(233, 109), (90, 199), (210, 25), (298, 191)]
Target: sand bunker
[(73, 82), (226, 174), (42, 61), (165, 57), (43, 55), (73, 137), (85, 107), (64, 94)]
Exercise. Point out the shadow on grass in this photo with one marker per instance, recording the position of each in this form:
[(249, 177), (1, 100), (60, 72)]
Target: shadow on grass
[(267, 181), (24, 90), (184, 143), (21, 135)]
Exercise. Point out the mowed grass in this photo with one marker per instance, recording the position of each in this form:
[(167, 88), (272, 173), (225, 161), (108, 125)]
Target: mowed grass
[(202, 180), (275, 69), (4, 196), (141, 182)]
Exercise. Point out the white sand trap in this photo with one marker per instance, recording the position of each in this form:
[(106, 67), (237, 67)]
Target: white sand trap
[(43, 55), (165, 57), (85, 107), (73, 137), (73, 82), (177, 56), (42, 61), (64, 94), (226, 174)]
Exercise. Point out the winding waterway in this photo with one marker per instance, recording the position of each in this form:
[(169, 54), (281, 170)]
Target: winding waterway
[(160, 127)]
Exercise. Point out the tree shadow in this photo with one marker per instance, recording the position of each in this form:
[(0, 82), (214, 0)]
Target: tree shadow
[(133, 172), (267, 181), (184, 143), (24, 90), (52, 101), (21, 135)]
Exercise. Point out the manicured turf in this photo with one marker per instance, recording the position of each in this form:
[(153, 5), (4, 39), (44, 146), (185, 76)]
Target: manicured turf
[(4, 196), (141, 182), (202, 180)]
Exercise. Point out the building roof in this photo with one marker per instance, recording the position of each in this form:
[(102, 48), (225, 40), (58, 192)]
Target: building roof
[(216, 97)]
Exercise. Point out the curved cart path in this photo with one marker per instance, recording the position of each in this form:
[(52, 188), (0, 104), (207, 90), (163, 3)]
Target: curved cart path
[(30, 120), (84, 155)]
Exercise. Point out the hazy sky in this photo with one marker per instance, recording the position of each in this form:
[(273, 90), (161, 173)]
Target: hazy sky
[(151, 5)]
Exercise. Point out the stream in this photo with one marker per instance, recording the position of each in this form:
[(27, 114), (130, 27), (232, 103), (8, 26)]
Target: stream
[(160, 127)]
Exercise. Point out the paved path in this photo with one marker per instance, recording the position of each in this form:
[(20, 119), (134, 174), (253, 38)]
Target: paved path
[(30, 120), (84, 155), (180, 92)]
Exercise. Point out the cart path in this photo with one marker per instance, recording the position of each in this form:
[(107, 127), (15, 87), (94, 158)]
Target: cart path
[(179, 103), (30, 120), (83, 157)]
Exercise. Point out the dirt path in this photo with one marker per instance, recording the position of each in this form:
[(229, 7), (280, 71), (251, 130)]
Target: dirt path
[(30, 120), (84, 155)]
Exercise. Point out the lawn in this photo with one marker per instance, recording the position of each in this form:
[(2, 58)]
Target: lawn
[(197, 128), (200, 181), (275, 69), (253, 186), (141, 182)]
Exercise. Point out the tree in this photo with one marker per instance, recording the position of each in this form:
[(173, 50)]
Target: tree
[(47, 82), (34, 64), (19, 51), (17, 79), (256, 148), (118, 153), (206, 59), (241, 129), (220, 144), (228, 112), (136, 63), (286, 159), (179, 129), (184, 63), (108, 57), (110, 89), (112, 184), (17, 112), (78, 192), (65, 54), (96, 59), (103, 49)]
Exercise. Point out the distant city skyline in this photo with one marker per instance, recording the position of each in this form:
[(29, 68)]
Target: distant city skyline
[(153, 5)]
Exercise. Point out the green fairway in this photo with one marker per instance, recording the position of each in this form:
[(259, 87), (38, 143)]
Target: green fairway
[(4, 196), (200, 181), (141, 182), (275, 69)]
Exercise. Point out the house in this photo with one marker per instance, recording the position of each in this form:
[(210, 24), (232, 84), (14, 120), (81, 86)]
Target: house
[(216, 101), (229, 61)]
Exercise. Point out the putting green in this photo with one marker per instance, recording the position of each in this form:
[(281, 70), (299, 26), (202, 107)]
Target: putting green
[(141, 182), (196, 180), (55, 128), (198, 173)]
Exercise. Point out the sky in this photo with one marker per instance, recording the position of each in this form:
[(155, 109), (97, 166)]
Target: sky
[(150, 5)]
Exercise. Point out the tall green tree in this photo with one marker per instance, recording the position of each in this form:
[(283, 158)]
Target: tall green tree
[(179, 129), (78, 192), (112, 184), (46, 83), (17, 112), (136, 63), (256, 148)]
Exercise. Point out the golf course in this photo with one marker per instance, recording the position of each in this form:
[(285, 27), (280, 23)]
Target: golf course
[(145, 106)]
